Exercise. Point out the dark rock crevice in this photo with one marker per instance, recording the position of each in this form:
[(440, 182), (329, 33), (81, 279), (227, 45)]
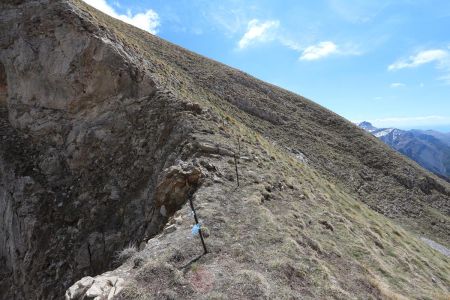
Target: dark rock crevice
[(81, 210), (85, 135), (3, 85)]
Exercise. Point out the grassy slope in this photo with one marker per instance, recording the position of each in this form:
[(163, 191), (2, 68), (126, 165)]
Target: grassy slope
[(387, 181), (314, 237), (285, 233)]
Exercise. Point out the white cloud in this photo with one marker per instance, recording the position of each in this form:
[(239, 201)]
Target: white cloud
[(291, 44), (258, 31), (439, 57), (397, 85), (148, 20), (322, 49), (423, 57), (270, 31), (420, 121)]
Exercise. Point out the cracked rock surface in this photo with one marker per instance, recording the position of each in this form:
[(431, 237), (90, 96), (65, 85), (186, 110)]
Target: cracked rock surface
[(85, 134)]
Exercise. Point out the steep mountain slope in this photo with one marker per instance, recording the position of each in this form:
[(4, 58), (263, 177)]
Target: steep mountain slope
[(429, 149), (442, 136), (106, 132), (331, 144)]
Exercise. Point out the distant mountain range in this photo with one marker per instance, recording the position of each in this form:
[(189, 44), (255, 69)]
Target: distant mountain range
[(429, 148)]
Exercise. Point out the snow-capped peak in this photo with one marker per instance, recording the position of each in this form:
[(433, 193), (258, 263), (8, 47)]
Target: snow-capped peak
[(382, 132), (367, 126)]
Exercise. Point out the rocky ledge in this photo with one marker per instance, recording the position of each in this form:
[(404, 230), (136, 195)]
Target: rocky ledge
[(85, 135)]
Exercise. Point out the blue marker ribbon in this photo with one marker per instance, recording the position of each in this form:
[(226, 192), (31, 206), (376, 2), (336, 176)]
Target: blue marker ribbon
[(195, 229)]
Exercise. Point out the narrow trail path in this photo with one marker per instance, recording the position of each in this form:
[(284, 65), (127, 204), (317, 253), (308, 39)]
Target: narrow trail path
[(436, 246)]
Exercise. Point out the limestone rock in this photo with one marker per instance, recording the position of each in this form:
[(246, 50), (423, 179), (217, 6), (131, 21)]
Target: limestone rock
[(85, 132), (79, 289), (100, 288), (177, 183)]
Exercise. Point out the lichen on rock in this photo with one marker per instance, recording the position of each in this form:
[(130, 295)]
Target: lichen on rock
[(177, 185)]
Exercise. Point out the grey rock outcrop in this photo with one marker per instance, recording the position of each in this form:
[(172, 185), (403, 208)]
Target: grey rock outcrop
[(101, 287), (84, 134)]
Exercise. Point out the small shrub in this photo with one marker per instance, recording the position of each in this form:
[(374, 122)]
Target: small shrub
[(126, 253)]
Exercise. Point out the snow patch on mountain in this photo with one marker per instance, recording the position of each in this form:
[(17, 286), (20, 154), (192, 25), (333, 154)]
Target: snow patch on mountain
[(382, 132), (429, 148)]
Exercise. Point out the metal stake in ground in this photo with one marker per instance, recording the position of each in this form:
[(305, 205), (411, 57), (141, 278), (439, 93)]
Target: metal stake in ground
[(236, 160), (196, 223), (236, 168)]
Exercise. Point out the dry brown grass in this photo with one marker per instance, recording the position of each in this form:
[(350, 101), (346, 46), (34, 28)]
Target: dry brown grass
[(126, 253), (336, 227)]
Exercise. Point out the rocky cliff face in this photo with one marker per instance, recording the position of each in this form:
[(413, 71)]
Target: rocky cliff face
[(85, 133), (104, 132)]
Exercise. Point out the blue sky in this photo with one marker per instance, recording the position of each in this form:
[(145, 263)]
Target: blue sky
[(384, 61)]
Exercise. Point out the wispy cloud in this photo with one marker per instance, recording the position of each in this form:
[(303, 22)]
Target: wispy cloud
[(421, 58), (397, 85), (356, 11), (321, 50), (258, 31), (148, 20), (263, 31), (327, 48), (291, 44), (417, 121), (230, 21), (268, 31), (439, 57)]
